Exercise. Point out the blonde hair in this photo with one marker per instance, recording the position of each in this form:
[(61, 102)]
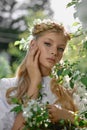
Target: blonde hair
[(39, 29), (22, 74)]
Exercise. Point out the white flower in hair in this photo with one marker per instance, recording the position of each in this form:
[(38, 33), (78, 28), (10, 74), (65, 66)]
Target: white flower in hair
[(45, 21), (37, 21)]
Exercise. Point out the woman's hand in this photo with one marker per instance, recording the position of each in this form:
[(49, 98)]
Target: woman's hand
[(55, 114), (19, 122), (58, 113), (65, 98), (32, 64)]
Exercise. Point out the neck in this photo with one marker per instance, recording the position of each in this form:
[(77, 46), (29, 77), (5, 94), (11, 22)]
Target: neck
[(45, 71)]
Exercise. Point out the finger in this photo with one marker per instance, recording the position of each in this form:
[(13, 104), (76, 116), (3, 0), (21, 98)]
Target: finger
[(37, 56), (53, 120), (52, 110), (33, 53), (50, 116), (49, 106), (62, 91), (59, 91), (74, 90), (69, 92)]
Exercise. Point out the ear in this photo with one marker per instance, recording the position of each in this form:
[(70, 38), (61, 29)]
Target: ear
[(32, 43)]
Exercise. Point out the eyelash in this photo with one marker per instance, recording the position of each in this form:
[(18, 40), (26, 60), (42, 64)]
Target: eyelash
[(59, 49), (47, 43)]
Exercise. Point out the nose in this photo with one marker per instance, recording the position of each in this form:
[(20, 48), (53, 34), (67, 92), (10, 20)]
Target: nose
[(54, 51)]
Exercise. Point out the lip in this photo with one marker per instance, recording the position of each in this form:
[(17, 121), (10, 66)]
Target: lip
[(51, 60)]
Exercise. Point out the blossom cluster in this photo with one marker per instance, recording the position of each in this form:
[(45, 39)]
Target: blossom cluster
[(36, 115), (80, 98)]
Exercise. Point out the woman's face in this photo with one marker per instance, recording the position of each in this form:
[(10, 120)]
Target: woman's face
[(51, 46)]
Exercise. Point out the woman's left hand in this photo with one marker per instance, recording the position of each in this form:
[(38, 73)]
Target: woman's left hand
[(55, 113)]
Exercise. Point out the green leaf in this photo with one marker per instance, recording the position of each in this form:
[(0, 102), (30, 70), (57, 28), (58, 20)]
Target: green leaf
[(82, 123), (86, 115), (17, 43), (66, 72), (75, 77), (71, 83), (75, 23), (59, 72), (20, 47), (73, 2), (70, 4), (40, 86), (84, 80), (15, 101), (62, 121), (17, 109), (85, 44)]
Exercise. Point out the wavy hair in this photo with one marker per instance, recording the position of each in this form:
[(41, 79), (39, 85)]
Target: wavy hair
[(22, 74)]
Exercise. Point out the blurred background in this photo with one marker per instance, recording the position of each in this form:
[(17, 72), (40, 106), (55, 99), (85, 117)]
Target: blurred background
[(15, 18), (16, 15)]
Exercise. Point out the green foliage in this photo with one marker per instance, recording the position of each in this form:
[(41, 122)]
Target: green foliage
[(18, 107), (16, 55), (80, 122), (35, 15), (37, 117), (5, 69), (84, 80), (72, 71), (73, 2)]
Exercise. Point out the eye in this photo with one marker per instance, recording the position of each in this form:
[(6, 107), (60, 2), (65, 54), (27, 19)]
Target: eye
[(60, 49), (47, 43)]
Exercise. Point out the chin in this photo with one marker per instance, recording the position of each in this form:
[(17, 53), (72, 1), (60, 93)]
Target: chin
[(50, 65), (47, 67)]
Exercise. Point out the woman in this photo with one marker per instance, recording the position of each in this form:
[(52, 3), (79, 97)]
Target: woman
[(45, 50)]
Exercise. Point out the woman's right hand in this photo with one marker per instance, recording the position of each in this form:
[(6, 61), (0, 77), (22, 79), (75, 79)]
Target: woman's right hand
[(32, 65)]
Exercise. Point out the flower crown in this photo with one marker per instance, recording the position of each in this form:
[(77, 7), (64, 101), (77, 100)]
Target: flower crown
[(39, 26), (43, 25)]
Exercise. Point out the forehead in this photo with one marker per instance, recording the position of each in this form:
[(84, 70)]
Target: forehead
[(53, 37)]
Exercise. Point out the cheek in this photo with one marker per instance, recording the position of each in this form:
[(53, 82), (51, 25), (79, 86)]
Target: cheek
[(43, 54), (41, 58), (59, 57)]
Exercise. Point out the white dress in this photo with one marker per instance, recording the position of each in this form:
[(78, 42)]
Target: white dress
[(7, 117)]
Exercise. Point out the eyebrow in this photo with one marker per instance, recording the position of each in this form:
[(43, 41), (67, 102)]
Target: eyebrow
[(50, 39), (53, 41)]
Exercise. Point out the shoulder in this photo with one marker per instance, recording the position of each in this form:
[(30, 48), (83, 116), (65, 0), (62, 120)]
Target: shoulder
[(5, 84), (5, 115), (8, 82)]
